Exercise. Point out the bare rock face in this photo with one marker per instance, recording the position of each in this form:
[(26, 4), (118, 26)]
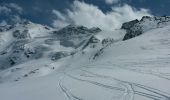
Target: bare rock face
[(21, 34), (135, 28), (74, 35), (74, 30), (130, 24), (6, 28), (107, 41), (92, 40)]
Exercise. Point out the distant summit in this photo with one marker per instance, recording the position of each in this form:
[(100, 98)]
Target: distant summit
[(135, 28)]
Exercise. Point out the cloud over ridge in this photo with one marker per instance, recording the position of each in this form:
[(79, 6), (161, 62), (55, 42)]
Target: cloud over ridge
[(10, 11), (111, 1), (90, 15)]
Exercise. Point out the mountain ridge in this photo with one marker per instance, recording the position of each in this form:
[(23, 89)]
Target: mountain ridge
[(88, 64), (71, 36), (135, 28)]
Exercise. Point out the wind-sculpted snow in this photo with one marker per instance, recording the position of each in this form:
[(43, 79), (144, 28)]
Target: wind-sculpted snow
[(98, 67)]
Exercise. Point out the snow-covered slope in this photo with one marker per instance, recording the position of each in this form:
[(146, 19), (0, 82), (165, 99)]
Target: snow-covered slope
[(29, 43), (102, 67)]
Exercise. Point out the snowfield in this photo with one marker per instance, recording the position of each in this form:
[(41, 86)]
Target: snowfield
[(135, 69)]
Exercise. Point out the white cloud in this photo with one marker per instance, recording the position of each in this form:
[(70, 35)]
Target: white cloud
[(15, 6), (59, 15), (111, 1), (9, 8), (4, 9), (91, 16), (16, 19), (11, 11), (61, 21), (3, 23)]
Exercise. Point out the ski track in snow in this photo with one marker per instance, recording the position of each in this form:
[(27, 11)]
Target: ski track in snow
[(129, 89), (67, 92), (128, 70), (112, 66)]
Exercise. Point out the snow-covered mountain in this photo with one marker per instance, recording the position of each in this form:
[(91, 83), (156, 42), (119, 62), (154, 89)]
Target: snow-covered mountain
[(136, 27), (38, 62)]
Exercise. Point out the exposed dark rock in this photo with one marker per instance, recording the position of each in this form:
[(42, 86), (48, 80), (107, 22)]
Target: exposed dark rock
[(59, 55), (26, 75), (76, 30), (6, 28), (33, 71), (135, 28), (29, 52), (12, 60), (92, 40), (132, 33), (47, 28), (146, 17), (129, 25), (107, 41), (16, 33), (98, 53), (21, 35), (74, 36)]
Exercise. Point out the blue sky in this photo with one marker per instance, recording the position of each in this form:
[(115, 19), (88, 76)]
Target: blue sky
[(40, 11)]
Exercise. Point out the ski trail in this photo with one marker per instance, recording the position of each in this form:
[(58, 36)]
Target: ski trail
[(112, 66), (160, 93), (127, 92), (67, 92)]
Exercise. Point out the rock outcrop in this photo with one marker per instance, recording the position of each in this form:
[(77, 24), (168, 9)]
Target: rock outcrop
[(135, 28)]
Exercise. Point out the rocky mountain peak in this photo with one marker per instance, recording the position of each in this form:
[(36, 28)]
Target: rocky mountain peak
[(130, 24), (5, 28), (135, 28), (76, 30)]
